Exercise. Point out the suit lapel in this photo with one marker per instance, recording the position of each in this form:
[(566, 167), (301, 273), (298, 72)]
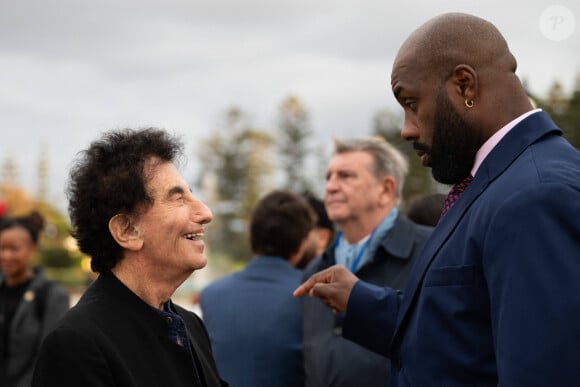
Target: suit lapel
[(439, 236), (503, 155)]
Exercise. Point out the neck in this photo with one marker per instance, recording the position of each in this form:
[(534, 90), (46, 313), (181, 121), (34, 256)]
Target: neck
[(354, 232), (356, 229), (19, 278), (506, 106), (153, 287)]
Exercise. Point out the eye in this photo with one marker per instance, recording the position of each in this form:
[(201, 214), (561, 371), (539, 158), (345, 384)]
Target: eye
[(177, 196), (410, 104)]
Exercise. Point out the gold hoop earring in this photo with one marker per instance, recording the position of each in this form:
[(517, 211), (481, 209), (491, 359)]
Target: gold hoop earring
[(469, 104)]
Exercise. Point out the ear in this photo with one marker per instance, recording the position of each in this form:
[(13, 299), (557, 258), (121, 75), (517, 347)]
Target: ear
[(324, 236), (388, 194), (464, 82), (295, 258), (124, 232)]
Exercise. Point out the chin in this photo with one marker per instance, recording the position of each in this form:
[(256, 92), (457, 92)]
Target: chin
[(335, 214), (200, 262)]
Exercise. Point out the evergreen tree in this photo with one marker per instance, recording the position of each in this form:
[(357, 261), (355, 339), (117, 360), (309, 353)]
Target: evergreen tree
[(571, 116), (294, 133), (564, 110), (238, 157)]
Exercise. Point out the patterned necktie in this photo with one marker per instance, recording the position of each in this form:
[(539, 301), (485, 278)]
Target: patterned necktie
[(456, 190)]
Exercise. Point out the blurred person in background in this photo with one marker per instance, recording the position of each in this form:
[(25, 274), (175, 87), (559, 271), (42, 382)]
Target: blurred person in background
[(30, 304), (426, 209), (322, 234), (364, 185), (254, 322), (133, 213)]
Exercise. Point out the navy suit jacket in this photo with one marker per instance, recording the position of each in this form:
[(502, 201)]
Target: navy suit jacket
[(495, 297), (255, 324)]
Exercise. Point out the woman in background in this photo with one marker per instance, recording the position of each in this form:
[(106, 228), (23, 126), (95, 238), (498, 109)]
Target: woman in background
[(30, 304)]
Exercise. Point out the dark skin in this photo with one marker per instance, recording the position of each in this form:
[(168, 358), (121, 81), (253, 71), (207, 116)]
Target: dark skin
[(450, 62)]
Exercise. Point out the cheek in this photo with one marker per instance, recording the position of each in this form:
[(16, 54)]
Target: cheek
[(25, 254), (425, 121), (426, 130)]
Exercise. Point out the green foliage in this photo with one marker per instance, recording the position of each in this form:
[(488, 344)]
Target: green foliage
[(58, 257), (564, 110), (71, 277)]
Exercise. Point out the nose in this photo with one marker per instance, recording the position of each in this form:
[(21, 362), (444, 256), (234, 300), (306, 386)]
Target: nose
[(409, 132), (202, 213), (331, 184)]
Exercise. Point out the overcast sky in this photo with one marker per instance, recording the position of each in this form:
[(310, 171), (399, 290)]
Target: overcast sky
[(70, 69)]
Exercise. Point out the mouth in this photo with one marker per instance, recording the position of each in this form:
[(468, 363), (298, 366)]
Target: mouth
[(330, 203), (6, 265), (197, 236), (423, 154)]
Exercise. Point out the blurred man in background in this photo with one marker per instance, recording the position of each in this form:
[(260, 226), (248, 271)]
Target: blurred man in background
[(364, 183), (321, 236), (254, 322)]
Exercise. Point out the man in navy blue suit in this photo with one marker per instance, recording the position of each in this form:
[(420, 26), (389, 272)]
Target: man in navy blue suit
[(494, 299)]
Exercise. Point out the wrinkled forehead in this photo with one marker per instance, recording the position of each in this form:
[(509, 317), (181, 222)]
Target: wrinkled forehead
[(350, 160)]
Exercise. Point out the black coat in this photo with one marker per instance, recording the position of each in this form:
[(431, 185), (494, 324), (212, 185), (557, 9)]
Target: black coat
[(29, 326), (331, 360), (113, 338)]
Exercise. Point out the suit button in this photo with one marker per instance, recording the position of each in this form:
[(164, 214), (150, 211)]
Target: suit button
[(337, 331)]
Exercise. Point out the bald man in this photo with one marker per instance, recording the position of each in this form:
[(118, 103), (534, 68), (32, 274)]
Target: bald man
[(494, 298)]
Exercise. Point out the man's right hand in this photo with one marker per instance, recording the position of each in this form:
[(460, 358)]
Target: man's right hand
[(332, 286)]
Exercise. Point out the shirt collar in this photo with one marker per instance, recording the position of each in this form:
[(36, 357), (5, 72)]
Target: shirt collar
[(373, 240)]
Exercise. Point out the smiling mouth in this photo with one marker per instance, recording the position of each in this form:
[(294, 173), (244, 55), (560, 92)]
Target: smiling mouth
[(194, 236)]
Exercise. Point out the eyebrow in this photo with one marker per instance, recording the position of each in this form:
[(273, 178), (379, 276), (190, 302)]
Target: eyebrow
[(397, 91), (175, 190)]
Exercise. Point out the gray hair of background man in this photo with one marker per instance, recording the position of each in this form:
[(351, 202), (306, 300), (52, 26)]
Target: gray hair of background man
[(387, 159)]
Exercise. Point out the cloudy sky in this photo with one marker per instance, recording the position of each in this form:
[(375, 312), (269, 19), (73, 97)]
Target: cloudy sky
[(70, 69)]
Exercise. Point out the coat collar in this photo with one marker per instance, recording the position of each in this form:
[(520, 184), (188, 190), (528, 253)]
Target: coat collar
[(118, 298), (398, 242), (500, 158), (39, 280), (265, 264)]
